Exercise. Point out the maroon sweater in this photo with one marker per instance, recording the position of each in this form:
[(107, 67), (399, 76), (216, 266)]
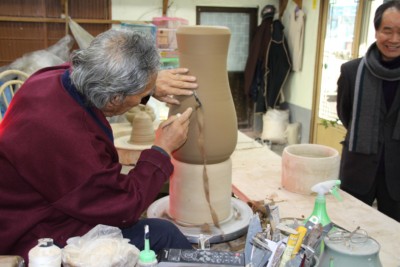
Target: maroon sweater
[(59, 172)]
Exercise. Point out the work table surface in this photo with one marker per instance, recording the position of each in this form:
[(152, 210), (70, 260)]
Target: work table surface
[(256, 175)]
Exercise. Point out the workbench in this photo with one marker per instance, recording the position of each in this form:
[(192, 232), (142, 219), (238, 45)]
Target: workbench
[(256, 176)]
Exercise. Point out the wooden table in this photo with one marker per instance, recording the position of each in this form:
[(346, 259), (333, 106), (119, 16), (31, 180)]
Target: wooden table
[(256, 175)]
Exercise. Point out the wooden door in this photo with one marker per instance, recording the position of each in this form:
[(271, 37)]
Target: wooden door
[(341, 32)]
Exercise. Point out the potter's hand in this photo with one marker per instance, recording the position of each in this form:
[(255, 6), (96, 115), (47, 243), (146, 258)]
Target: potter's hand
[(174, 82), (172, 133)]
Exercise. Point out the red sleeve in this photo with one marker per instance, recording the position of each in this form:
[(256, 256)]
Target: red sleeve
[(111, 198)]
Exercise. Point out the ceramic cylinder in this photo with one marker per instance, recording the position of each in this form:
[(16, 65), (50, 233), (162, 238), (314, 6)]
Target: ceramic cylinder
[(304, 165), (188, 203), (203, 50)]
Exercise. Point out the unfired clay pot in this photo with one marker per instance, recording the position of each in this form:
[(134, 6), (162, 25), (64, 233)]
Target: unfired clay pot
[(195, 199), (188, 204), (204, 51), (304, 165)]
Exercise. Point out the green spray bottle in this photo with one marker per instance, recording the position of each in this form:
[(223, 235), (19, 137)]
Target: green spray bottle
[(319, 213)]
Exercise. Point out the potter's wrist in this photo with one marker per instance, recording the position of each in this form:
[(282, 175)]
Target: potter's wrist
[(160, 149)]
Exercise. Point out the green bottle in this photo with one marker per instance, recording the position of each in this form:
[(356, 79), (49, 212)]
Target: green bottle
[(319, 213)]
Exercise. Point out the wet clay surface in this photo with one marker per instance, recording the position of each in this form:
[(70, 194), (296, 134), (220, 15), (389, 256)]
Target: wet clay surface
[(204, 51)]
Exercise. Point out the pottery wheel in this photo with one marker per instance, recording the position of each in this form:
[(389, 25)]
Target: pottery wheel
[(232, 228)]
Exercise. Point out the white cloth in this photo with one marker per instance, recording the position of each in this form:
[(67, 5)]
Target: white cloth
[(296, 38)]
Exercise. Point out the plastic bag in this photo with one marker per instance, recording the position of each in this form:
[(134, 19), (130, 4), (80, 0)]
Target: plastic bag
[(275, 122), (82, 37), (293, 133), (51, 56), (103, 246)]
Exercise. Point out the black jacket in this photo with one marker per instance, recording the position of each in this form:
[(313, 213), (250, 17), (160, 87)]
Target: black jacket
[(358, 171)]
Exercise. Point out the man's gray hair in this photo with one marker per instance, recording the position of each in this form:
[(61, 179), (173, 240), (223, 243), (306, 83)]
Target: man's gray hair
[(116, 64)]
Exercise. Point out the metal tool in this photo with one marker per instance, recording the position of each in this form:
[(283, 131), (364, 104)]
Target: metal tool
[(196, 97), (260, 241), (199, 104), (261, 251)]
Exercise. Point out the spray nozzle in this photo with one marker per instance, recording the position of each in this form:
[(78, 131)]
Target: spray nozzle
[(331, 186), (335, 192)]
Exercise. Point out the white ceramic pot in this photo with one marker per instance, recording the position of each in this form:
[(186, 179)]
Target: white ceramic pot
[(188, 203), (304, 165), (347, 253)]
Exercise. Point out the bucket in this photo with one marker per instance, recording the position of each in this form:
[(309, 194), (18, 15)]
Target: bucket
[(304, 165)]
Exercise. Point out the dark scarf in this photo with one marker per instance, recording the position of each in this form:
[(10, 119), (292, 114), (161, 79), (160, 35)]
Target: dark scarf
[(364, 130)]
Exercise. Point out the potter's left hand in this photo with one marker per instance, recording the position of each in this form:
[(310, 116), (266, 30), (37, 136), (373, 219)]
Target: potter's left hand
[(174, 82)]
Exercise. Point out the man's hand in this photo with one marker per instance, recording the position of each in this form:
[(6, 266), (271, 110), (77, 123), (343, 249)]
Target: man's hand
[(172, 133), (174, 82)]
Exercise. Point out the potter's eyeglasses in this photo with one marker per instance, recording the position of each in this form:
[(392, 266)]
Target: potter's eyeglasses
[(358, 236)]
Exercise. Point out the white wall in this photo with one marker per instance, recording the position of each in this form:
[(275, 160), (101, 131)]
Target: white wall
[(147, 9), (299, 88)]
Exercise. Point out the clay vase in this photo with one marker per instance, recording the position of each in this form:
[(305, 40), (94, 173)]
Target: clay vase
[(204, 50), (130, 114), (142, 129)]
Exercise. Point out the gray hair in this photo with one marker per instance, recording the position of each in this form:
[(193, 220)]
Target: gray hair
[(116, 64)]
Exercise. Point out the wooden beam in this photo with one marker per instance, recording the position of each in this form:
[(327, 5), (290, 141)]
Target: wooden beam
[(165, 8), (283, 4), (299, 3), (66, 14), (282, 7), (64, 20)]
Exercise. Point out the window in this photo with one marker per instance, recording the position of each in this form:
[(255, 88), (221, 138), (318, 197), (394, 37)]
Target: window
[(242, 23)]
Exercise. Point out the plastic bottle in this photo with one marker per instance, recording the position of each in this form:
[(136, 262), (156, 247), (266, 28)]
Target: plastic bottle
[(45, 254), (319, 213), (147, 257)]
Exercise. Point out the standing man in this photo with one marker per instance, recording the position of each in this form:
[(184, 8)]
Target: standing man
[(369, 105)]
